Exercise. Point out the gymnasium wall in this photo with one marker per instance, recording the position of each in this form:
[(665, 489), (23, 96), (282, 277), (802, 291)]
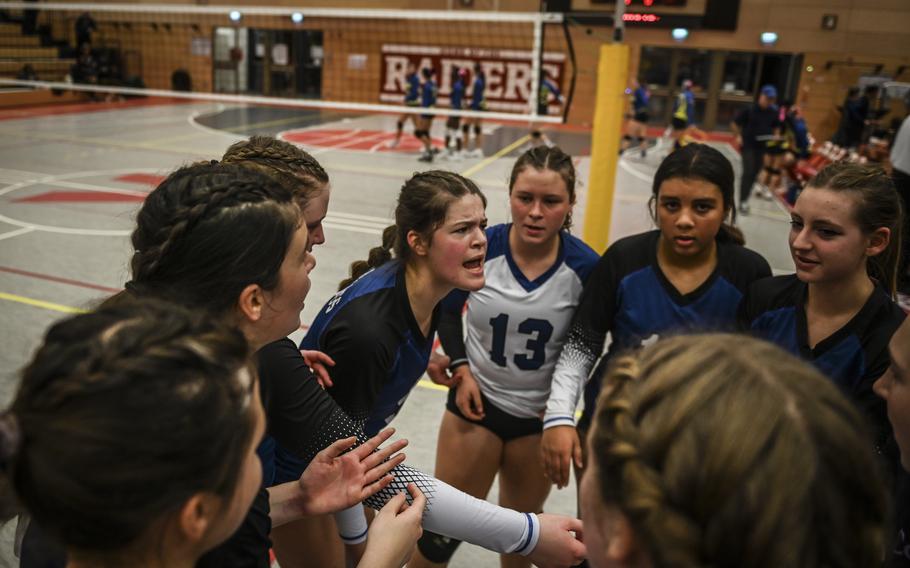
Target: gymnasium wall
[(868, 31)]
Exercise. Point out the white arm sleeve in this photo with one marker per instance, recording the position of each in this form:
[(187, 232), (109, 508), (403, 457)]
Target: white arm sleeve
[(575, 363), (352, 525), (457, 515)]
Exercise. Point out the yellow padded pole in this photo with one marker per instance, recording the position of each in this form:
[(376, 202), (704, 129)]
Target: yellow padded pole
[(612, 78)]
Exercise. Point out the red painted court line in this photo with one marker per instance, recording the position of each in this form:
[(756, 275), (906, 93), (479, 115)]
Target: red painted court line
[(144, 179), (58, 279), (72, 108), (80, 197)]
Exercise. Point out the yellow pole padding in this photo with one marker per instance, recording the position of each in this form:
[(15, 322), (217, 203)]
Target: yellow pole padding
[(612, 78)]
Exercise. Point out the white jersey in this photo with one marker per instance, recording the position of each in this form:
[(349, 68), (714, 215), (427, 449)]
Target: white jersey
[(516, 327)]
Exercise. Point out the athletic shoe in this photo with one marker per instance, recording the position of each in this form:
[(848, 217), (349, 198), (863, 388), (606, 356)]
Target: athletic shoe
[(426, 157), (475, 153), (744, 208), (434, 150), (394, 143)]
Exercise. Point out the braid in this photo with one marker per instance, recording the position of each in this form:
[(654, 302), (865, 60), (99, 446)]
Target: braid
[(722, 450), (209, 230), (377, 257), (193, 205), (84, 453), (642, 494), (284, 162)]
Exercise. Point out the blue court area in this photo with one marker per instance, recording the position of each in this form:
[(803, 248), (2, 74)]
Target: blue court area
[(71, 183)]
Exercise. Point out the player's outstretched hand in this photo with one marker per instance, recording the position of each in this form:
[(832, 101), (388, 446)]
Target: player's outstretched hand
[(559, 447), (317, 361), (560, 543), (332, 481), (467, 399), (395, 531), (438, 370)]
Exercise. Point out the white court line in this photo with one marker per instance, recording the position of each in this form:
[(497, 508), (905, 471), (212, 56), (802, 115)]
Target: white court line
[(352, 228), (220, 107), (15, 233), (635, 173), (385, 221)]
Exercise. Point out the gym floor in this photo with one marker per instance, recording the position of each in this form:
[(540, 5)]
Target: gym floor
[(72, 178)]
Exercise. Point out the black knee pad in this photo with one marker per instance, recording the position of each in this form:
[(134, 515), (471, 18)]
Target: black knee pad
[(420, 133), (476, 129), (400, 125), (535, 134), (466, 128), (627, 138), (437, 548)]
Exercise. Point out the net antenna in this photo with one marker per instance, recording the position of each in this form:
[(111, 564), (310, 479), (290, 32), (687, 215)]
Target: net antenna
[(318, 58)]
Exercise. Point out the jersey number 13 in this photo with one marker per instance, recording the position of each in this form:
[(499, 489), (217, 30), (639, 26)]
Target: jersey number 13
[(540, 330)]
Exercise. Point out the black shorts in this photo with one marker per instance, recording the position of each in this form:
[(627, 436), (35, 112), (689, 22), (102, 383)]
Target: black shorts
[(543, 109), (642, 117), (775, 150), (497, 420), (679, 124), (453, 122)]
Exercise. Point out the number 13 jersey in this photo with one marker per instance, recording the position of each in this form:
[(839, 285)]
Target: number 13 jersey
[(516, 327)]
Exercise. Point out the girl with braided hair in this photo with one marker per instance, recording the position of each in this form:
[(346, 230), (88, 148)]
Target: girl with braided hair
[(132, 436), (230, 242), (499, 375), (379, 330), (688, 275), (725, 451)]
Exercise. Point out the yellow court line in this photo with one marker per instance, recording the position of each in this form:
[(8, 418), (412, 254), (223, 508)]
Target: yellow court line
[(41, 304), (484, 163)]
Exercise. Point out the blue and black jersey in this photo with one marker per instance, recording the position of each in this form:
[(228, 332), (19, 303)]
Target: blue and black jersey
[(478, 99), (379, 351), (457, 96), (629, 297), (428, 94), (640, 100), (853, 357), (412, 95)]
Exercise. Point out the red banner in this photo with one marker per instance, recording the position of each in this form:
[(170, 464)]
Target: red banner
[(508, 73)]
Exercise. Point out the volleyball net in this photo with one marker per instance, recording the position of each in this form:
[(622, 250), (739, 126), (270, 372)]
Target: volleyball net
[(341, 59)]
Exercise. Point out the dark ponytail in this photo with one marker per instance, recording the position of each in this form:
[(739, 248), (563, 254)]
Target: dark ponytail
[(700, 161), (423, 203), (377, 257)]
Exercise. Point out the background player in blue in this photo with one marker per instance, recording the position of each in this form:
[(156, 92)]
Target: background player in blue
[(683, 112), (637, 128), (894, 388), (534, 272), (453, 123), (548, 88), (837, 310), (425, 121), (379, 330), (723, 450), (478, 104), (412, 99), (688, 275)]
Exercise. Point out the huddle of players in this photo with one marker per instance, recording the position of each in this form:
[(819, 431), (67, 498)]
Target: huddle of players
[(702, 449), (421, 91)]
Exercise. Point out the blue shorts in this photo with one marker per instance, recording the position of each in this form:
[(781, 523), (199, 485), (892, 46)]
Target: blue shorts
[(278, 464)]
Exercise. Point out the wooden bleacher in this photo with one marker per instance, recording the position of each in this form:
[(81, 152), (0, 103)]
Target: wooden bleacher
[(18, 50)]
